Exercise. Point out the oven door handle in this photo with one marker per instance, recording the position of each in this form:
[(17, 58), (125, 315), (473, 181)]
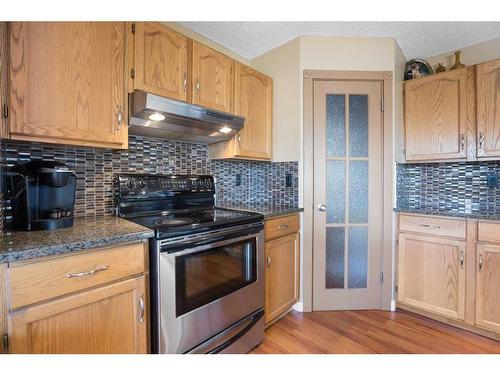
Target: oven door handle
[(187, 245)]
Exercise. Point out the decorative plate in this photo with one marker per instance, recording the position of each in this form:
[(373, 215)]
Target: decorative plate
[(417, 68)]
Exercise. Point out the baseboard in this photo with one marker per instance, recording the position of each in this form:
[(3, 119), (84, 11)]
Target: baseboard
[(393, 305), (451, 322), (299, 306)]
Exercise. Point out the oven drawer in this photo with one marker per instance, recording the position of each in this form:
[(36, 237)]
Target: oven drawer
[(433, 225), (281, 226), (35, 281)]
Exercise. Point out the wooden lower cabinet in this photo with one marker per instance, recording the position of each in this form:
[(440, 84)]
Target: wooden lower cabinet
[(451, 275), (109, 319), (90, 302), (488, 287), (3, 307), (282, 275), (432, 274)]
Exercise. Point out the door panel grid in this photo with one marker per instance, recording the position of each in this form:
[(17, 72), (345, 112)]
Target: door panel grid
[(347, 190)]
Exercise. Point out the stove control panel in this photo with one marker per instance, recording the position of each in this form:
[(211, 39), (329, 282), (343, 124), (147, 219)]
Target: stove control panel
[(142, 185)]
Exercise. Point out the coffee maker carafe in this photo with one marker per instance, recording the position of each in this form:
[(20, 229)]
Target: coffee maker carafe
[(42, 195)]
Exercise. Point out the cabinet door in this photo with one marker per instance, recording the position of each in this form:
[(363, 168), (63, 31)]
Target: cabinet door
[(436, 116), (67, 83), (487, 287), (160, 61), (109, 319), (212, 83), (3, 304), (488, 109), (282, 275), (253, 101), (431, 274)]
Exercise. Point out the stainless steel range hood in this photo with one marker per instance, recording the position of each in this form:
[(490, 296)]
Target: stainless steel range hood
[(156, 116)]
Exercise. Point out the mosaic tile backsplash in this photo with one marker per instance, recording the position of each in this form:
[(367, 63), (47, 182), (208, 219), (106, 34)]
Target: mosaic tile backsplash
[(460, 188), (260, 182)]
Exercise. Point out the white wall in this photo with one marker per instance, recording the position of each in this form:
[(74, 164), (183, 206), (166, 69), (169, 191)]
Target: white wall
[(286, 64), (471, 55), (283, 65)]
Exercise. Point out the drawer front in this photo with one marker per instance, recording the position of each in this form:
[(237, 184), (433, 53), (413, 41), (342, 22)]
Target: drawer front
[(433, 225), (41, 280), (488, 232), (281, 226)]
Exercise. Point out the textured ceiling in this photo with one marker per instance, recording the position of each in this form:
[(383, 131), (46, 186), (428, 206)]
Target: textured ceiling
[(416, 39)]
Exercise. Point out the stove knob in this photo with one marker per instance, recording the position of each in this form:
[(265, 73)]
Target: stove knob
[(130, 184), (142, 184)]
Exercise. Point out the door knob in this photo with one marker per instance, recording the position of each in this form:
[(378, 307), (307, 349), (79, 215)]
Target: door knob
[(322, 207)]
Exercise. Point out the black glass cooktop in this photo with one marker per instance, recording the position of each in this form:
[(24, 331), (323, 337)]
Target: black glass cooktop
[(178, 223)]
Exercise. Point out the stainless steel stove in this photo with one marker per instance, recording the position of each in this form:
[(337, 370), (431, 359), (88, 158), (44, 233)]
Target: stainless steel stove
[(206, 264)]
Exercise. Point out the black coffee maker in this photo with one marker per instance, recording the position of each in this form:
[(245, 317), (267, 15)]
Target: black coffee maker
[(42, 195)]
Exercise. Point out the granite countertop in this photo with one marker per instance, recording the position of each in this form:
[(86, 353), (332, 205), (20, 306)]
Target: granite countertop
[(426, 211), (267, 210), (86, 233)]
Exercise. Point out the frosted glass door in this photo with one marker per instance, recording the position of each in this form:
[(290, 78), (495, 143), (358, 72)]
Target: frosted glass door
[(347, 128), (347, 191)]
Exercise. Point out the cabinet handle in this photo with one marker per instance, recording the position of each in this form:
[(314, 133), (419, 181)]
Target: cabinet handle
[(141, 308), (480, 263), (87, 273), (120, 118), (283, 226), (197, 86), (430, 226), (462, 142), (238, 140), (462, 256), (481, 141), (268, 262), (185, 81)]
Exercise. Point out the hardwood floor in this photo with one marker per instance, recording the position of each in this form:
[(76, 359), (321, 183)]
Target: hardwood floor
[(369, 331)]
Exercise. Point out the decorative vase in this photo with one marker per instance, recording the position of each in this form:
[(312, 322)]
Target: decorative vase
[(440, 68), (457, 64)]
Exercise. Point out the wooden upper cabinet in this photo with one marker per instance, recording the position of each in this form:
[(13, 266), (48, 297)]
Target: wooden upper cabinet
[(431, 274), (67, 83), (212, 78), (160, 60), (253, 100), (487, 292), (436, 117), (107, 320), (488, 109)]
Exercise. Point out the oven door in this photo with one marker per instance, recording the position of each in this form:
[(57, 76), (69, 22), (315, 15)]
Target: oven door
[(207, 284)]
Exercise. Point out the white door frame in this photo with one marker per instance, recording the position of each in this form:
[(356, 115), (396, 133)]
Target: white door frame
[(308, 177)]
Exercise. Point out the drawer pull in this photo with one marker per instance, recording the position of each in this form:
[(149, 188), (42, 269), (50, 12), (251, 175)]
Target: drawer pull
[(430, 226), (462, 259), (268, 262), (283, 226), (480, 263), (141, 308), (87, 273)]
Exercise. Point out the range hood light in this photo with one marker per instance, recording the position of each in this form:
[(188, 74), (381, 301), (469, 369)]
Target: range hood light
[(156, 117), (225, 130)]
